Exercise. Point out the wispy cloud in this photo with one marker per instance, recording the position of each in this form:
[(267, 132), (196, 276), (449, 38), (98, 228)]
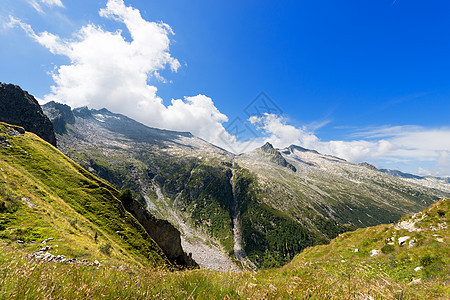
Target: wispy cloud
[(36, 4)]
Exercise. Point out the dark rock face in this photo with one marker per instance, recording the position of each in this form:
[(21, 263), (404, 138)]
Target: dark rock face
[(277, 157), (162, 232), (60, 115), (369, 166), (17, 107)]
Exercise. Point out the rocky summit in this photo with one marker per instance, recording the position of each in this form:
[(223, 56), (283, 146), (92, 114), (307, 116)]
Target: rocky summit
[(17, 107)]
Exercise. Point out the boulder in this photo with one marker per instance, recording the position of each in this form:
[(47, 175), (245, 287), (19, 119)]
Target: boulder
[(402, 240)]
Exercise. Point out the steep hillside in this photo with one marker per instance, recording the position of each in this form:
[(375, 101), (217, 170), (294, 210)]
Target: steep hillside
[(160, 165), (406, 260), (45, 196), (264, 206)]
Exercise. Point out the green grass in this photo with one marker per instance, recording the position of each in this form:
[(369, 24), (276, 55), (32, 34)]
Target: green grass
[(333, 271), (87, 221), (72, 206)]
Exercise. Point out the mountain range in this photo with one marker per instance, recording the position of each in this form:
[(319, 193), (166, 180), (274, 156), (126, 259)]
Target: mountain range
[(120, 208), (254, 210)]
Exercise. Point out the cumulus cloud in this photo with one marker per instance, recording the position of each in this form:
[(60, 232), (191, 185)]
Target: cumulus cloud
[(106, 70), (398, 143)]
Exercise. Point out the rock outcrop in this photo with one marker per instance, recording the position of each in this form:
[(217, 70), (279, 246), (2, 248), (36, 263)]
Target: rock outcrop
[(277, 157), (17, 107), (162, 232), (60, 115)]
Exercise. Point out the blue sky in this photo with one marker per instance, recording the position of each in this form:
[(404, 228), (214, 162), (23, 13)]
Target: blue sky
[(364, 80)]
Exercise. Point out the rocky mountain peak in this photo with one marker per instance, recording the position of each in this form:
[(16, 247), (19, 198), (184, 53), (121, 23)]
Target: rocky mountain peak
[(267, 146), (277, 158), (60, 115), (17, 107), (369, 166), (291, 148)]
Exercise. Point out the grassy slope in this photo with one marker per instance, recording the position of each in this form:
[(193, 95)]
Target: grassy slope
[(72, 207)]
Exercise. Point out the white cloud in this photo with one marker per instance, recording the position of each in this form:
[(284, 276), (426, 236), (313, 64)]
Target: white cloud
[(53, 2), (50, 3), (108, 71), (409, 144)]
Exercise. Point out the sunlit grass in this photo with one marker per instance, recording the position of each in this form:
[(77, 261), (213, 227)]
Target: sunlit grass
[(83, 215)]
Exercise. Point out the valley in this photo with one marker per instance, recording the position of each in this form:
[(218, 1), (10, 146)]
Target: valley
[(283, 199)]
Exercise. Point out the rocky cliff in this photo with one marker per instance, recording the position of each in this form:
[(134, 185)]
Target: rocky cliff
[(60, 115), (161, 231), (17, 107)]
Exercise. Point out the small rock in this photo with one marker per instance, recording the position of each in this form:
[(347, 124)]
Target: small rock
[(356, 250), (19, 242), (374, 252), (390, 243), (46, 248), (415, 281), (411, 243), (402, 240), (47, 240), (28, 202), (417, 269), (440, 240), (391, 239)]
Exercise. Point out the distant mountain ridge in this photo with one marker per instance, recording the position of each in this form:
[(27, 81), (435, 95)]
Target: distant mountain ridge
[(397, 173), (270, 203), (440, 183)]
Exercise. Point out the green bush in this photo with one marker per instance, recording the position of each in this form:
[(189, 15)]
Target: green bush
[(106, 248), (126, 196), (73, 222), (427, 260), (388, 249)]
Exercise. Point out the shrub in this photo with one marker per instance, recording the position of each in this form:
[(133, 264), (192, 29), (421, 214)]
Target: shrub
[(106, 248), (73, 222), (427, 260), (387, 249), (126, 196)]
